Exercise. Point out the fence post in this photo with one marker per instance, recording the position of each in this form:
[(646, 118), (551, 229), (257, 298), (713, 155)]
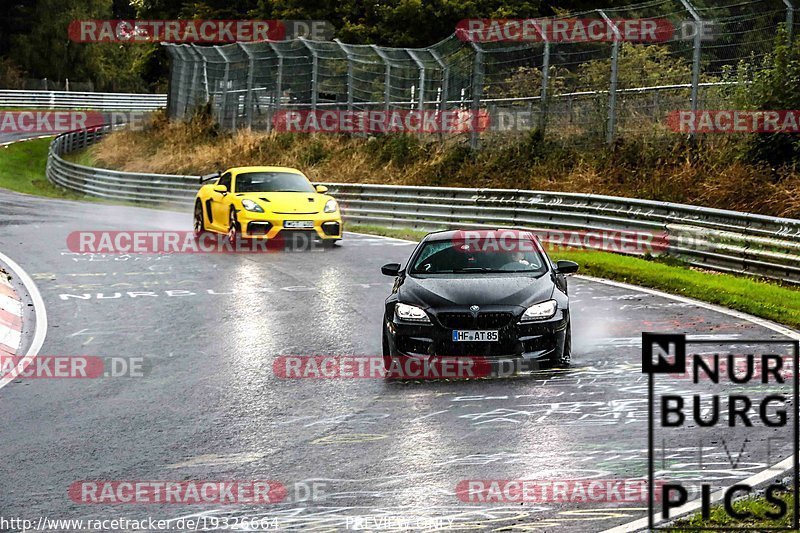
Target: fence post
[(421, 67), (545, 79), (223, 107), (387, 83), (198, 68), (248, 98), (205, 70), (445, 79), (314, 73), (611, 127), (172, 87), (477, 93), (278, 84), (789, 19), (349, 74), (695, 56)]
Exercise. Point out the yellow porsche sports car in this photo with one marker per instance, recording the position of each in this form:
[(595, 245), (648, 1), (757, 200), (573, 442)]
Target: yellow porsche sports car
[(265, 202)]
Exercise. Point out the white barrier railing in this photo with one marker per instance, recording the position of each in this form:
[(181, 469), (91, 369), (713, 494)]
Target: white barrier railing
[(15, 99)]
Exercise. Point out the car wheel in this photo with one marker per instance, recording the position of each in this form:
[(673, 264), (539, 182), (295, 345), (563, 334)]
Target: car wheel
[(199, 222), (566, 354), (387, 358), (233, 227)]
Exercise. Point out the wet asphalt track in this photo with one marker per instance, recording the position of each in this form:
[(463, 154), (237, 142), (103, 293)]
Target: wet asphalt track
[(212, 409)]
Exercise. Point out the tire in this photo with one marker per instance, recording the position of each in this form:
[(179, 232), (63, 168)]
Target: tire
[(566, 354), (233, 227), (387, 359), (199, 225)]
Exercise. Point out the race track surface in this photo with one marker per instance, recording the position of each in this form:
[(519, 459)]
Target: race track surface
[(211, 408)]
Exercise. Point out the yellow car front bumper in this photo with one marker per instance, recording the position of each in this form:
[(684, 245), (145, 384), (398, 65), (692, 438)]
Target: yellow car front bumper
[(326, 226)]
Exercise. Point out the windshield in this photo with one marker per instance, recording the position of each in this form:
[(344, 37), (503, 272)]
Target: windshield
[(272, 182), (451, 257)]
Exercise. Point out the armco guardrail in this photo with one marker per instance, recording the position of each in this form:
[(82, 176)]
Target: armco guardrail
[(716, 239), (16, 99)]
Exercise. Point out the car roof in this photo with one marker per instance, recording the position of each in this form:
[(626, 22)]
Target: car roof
[(242, 170), (446, 235)]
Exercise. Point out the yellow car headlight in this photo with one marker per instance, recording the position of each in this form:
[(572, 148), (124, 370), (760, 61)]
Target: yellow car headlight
[(250, 205), (330, 206)]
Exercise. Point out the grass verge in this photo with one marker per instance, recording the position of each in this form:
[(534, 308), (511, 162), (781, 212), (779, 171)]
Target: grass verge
[(22, 169), (759, 298), (758, 509)]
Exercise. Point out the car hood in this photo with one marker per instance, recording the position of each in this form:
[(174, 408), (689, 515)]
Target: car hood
[(478, 289), (288, 202)]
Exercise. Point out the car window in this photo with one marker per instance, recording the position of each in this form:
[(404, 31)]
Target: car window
[(449, 257), (273, 182), (225, 180)]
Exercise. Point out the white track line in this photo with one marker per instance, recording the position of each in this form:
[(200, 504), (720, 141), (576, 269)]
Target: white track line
[(27, 139), (41, 318)]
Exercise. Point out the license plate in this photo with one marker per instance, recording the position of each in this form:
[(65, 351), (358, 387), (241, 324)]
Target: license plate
[(469, 335), (305, 224)]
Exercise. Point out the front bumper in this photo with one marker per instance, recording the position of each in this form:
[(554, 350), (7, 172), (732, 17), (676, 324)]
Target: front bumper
[(326, 226), (527, 344)]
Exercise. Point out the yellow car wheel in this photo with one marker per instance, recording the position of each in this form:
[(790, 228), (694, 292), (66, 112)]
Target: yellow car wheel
[(199, 222), (233, 227)]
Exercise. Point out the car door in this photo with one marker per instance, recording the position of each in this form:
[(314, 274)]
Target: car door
[(219, 204)]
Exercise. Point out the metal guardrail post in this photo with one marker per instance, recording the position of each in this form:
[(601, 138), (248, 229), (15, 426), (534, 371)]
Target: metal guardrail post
[(611, 128), (349, 73), (698, 34), (314, 73), (251, 69), (387, 85), (477, 93)]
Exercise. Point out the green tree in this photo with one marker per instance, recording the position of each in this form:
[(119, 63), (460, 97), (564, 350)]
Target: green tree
[(774, 87)]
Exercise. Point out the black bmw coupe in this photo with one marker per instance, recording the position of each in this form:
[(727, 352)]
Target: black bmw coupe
[(489, 294)]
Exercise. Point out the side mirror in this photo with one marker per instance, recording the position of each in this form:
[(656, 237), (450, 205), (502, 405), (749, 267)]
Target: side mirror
[(321, 189), (222, 189), (567, 267), (390, 269)]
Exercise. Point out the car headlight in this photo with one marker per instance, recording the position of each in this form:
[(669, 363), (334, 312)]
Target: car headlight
[(250, 205), (411, 313), (330, 206), (540, 311)]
